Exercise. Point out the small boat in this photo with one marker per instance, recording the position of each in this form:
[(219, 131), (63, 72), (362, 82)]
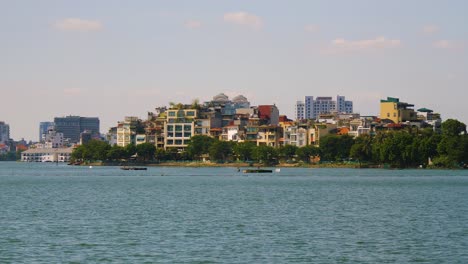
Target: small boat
[(257, 171), (132, 168)]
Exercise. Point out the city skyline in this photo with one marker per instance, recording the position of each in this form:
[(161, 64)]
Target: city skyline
[(110, 61)]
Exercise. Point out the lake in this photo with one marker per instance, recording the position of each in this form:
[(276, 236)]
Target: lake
[(75, 214)]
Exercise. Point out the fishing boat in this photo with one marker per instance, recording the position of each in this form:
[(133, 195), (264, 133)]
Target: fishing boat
[(257, 171), (132, 168)]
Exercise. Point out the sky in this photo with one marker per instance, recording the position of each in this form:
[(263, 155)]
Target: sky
[(111, 58)]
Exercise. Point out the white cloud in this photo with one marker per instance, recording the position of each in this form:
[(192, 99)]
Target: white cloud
[(344, 46), (192, 24), (245, 19), (312, 28), (77, 24), (72, 91), (430, 29), (443, 44)]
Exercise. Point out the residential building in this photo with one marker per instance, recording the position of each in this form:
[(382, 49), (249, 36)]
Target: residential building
[(268, 114), (269, 135), (311, 108), (111, 136), (44, 129), (179, 127), (230, 133), (126, 131), (317, 131), (296, 135), (299, 110), (53, 139), (73, 126), (140, 139), (4, 132), (396, 111)]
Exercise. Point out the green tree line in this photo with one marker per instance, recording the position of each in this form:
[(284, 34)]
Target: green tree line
[(401, 149)]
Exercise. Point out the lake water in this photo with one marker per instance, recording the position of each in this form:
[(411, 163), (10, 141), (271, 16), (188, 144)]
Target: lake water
[(70, 214)]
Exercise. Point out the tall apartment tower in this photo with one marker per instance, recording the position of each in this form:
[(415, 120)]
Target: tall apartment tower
[(43, 129), (299, 111), (73, 126), (311, 108), (4, 132)]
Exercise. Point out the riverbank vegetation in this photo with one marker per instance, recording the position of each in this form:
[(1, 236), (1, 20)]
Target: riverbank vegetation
[(407, 148)]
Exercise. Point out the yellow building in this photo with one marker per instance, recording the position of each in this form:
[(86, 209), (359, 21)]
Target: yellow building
[(269, 135), (318, 131), (397, 111)]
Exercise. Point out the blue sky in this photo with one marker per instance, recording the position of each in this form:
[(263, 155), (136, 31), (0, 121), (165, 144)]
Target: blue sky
[(118, 58)]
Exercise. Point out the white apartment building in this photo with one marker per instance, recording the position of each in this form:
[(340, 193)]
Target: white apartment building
[(125, 131), (310, 108), (53, 139), (179, 127)]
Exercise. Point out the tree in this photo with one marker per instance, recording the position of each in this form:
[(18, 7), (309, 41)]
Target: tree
[(453, 127), (160, 154), (130, 150), (288, 152), (361, 150), (306, 152), (334, 147), (146, 151), (397, 149), (244, 150), (91, 151), (220, 150), (265, 154), (199, 145), (116, 153)]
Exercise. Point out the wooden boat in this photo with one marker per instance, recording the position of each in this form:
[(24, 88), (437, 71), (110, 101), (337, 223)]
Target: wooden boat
[(132, 168), (257, 171)]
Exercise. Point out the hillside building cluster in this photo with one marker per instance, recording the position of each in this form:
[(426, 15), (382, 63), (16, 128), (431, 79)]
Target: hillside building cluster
[(225, 119), (236, 120)]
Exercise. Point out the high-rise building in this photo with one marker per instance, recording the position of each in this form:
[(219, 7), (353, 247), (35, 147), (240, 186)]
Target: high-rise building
[(4, 132), (311, 108), (44, 128), (73, 126)]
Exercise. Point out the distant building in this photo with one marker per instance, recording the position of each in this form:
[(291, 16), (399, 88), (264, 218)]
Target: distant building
[(73, 126), (396, 111), (126, 131), (179, 127), (268, 114), (47, 155), (53, 139), (44, 128), (4, 132), (311, 108), (85, 137)]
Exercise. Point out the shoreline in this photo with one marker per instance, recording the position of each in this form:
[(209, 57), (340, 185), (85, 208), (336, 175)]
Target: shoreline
[(246, 165)]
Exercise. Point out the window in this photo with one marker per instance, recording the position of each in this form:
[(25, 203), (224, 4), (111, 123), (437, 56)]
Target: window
[(190, 113), (178, 142), (171, 113), (388, 114), (394, 114)]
